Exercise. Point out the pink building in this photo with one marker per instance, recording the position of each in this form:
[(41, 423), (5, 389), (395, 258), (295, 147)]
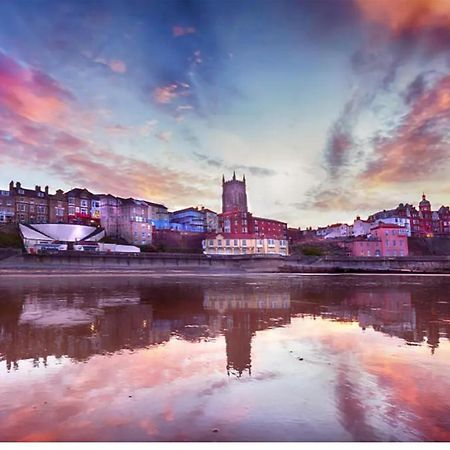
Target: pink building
[(385, 240)]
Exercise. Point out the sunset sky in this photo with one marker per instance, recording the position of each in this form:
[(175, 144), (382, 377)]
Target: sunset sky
[(330, 108)]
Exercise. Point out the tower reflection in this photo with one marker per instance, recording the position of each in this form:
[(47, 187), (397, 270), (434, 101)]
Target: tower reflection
[(239, 314)]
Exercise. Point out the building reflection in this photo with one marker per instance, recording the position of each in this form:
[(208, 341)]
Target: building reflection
[(63, 319), (239, 314)]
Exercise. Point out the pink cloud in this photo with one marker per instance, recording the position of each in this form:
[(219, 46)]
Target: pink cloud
[(45, 129), (30, 93), (117, 66), (165, 94)]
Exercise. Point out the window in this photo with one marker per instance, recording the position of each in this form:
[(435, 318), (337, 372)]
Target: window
[(71, 200), (244, 242), (235, 242), (71, 210), (41, 209), (227, 242), (84, 210), (84, 203), (20, 191), (211, 242), (40, 194), (219, 243)]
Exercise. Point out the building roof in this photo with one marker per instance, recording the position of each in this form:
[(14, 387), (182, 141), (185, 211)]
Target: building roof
[(79, 191), (158, 205), (61, 232), (191, 208), (388, 225)]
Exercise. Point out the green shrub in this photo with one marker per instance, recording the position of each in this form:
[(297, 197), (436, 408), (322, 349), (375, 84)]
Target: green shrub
[(312, 251)]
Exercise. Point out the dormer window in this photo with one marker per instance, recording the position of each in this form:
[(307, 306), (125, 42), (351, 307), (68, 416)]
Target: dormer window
[(20, 191)]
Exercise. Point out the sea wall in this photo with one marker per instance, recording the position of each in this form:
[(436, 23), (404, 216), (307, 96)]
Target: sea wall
[(244, 263)]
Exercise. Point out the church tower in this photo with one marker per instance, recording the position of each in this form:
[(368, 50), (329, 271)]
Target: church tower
[(234, 195)]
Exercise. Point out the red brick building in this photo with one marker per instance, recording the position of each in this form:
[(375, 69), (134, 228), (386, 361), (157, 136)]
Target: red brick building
[(30, 205), (237, 225)]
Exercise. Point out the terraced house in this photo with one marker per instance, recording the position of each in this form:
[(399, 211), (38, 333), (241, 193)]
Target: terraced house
[(30, 205), (83, 207)]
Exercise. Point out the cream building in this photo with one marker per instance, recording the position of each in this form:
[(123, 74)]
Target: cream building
[(220, 244)]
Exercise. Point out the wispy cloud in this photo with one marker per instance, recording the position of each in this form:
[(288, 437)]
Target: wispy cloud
[(220, 164), (164, 136), (419, 146)]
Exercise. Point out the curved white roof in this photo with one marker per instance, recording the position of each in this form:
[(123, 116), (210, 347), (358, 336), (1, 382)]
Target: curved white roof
[(61, 232)]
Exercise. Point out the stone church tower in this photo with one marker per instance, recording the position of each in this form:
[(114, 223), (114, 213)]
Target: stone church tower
[(234, 195)]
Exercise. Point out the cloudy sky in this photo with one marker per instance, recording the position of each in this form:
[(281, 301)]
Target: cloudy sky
[(330, 108)]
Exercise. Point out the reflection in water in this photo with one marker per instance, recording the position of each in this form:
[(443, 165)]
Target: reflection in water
[(242, 312), (376, 341)]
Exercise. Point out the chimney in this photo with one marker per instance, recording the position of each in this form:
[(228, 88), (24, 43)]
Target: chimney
[(46, 190), (37, 188), (18, 185), (11, 185)]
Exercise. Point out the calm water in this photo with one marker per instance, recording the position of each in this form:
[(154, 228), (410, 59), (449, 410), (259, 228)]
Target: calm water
[(312, 358)]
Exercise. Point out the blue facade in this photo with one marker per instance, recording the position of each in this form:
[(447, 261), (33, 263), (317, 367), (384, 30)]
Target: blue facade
[(160, 224), (189, 219)]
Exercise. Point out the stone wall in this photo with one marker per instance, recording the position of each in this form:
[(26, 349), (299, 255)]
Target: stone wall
[(234, 264)]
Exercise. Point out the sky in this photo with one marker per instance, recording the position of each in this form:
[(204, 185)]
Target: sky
[(331, 108)]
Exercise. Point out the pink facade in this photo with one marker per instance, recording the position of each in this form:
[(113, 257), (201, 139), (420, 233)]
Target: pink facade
[(385, 240)]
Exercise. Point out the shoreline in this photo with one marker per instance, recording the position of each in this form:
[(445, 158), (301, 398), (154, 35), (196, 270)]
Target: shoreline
[(21, 273)]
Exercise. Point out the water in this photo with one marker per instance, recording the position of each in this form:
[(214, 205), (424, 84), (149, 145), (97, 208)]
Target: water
[(268, 358)]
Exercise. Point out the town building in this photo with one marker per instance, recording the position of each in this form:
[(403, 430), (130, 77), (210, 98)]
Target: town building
[(384, 240), (158, 216), (7, 207), (83, 207), (188, 219), (422, 222), (57, 207), (109, 214), (338, 230), (239, 231), (30, 206), (194, 219), (361, 227), (244, 244), (133, 224)]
